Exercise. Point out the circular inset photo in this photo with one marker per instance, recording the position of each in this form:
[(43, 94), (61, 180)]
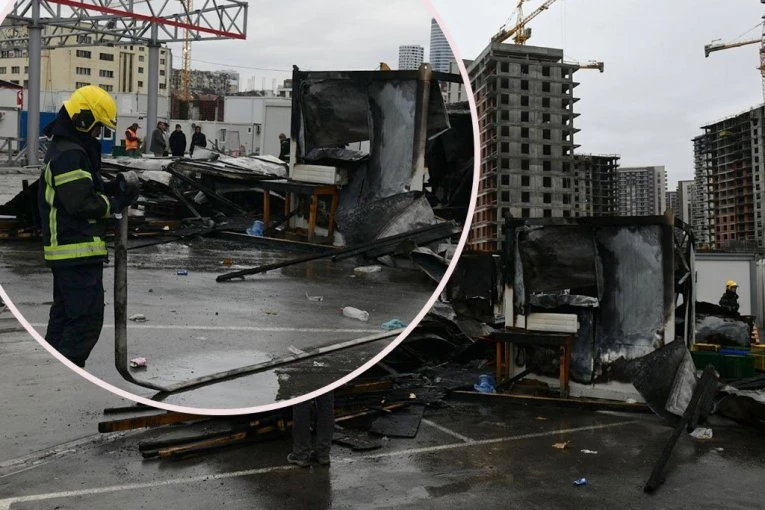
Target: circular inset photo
[(204, 210)]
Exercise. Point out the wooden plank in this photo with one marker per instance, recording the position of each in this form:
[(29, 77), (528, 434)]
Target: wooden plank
[(140, 422)]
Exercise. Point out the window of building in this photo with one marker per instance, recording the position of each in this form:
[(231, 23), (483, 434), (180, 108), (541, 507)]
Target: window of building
[(546, 165), (26, 69), (547, 182), (545, 118), (140, 70), (140, 58), (163, 85), (566, 182), (103, 73), (504, 67), (524, 132), (3, 70), (15, 69), (525, 198), (524, 69), (504, 83), (566, 213), (85, 71), (161, 72), (525, 164), (505, 196), (504, 163), (545, 102), (524, 148), (106, 56), (140, 84), (505, 147), (546, 86), (26, 85), (524, 116), (524, 100), (525, 212), (84, 39), (504, 99), (504, 180), (547, 213), (83, 54), (546, 150), (546, 134), (525, 180), (505, 130), (162, 61), (566, 199), (504, 115), (547, 198), (141, 48), (107, 88), (524, 84), (79, 84)]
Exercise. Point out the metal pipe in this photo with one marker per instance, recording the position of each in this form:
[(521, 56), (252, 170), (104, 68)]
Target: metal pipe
[(33, 86), (259, 367), (120, 304), (153, 84), (422, 101)]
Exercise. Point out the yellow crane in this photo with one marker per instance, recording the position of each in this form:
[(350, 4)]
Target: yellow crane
[(519, 32), (185, 94), (717, 46)]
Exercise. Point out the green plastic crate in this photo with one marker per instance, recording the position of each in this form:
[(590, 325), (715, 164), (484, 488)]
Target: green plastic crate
[(738, 367)]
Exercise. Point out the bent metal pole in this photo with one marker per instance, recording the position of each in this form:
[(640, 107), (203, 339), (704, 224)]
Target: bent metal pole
[(120, 305)]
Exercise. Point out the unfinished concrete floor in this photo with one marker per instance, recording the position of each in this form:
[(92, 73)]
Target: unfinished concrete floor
[(196, 326), (473, 454)]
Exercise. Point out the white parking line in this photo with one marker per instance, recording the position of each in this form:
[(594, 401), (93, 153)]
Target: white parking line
[(5, 504), (447, 431)]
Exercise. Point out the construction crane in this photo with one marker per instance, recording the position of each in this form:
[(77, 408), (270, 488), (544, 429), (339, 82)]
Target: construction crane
[(717, 46), (185, 94), (519, 32)]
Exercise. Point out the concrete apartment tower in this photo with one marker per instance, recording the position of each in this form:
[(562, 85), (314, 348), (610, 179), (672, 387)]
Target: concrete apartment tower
[(685, 198), (730, 175), (440, 52), (410, 57), (525, 100), (642, 190), (595, 184), (672, 203)]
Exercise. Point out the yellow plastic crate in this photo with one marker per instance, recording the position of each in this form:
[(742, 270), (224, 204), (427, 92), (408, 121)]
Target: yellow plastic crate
[(759, 362)]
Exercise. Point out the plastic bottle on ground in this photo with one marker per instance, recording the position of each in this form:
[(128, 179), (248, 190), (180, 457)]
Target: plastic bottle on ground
[(355, 313)]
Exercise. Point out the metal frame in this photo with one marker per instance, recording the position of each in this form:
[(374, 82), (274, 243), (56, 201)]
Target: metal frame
[(116, 22)]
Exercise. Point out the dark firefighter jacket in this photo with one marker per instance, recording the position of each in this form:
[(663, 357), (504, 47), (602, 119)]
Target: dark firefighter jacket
[(729, 302), (72, 198)]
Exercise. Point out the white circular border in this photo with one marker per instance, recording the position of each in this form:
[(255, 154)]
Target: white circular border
[(392, 345)]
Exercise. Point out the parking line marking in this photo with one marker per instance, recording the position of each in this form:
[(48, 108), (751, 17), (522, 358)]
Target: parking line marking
[(5, 504), (447, 431)]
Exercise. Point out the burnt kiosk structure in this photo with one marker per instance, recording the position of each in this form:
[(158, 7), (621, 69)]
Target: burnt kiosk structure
[(621, 288), (386, 139)]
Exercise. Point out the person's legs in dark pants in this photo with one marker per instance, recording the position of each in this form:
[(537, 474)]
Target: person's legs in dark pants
[(301, 434), (77, 314), (325, 426)]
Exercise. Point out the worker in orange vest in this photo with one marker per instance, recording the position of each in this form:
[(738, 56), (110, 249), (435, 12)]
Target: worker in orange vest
[(132, 141)]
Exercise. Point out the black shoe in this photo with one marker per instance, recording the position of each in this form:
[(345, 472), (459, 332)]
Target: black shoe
[(299, 459), (321, 459)]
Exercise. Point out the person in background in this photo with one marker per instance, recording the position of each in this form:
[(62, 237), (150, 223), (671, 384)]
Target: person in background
[(284, 147), (74, 204), (158, 143), (198, 139), (319, 414), (729, 300), (177, 142), (132, 142)]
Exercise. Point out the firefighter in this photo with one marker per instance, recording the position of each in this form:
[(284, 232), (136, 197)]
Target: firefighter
[(729, 300), (74, 204)]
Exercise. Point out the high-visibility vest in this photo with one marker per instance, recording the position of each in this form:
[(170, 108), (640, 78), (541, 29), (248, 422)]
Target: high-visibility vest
[(131, 144)]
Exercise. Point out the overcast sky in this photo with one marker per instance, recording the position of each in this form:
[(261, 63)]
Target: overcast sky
[(315, 35), (657, 89)]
